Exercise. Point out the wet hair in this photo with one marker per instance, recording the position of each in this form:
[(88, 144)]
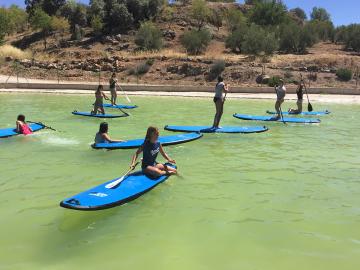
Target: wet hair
[(21, 118), (150, 131), (220, 79), (104, 127), (100, 88)]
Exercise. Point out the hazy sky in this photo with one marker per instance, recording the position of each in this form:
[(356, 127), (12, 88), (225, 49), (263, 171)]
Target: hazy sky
[(342, 12)]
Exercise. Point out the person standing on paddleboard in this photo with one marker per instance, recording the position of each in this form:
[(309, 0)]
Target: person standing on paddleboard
[(113, 82), (300, 95), (102, 136), (220, 92), (99, 100), (21, 126), (280, 93), (150, 148)]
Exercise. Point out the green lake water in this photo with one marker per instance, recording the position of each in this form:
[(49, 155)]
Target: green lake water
[(285, 199)]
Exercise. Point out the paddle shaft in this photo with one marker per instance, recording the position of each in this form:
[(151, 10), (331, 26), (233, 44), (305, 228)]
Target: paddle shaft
[(39, 123), (307, 96), (126, 96)]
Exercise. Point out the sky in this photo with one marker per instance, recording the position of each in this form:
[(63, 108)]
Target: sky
[(342, 12)]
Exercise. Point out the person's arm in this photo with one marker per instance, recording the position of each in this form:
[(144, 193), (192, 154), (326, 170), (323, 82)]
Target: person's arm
[(104, 95), (166, 156), (18, 126), (134, 158), (226, 88), (107, 137)]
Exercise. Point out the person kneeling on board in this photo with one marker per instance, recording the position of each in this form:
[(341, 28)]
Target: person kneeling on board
[(299, 103), (21, 126), (219, 100), (102, 136), (280, 93), (99, 100), (150, 148)]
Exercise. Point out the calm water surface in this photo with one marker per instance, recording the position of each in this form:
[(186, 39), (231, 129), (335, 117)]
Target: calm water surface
[(285, 199)]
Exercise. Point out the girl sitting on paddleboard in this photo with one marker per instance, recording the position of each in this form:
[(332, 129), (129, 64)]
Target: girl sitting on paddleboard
[(102, 136), (21, 126), (219, 100), (99, 100), (150, 148), (280, 93), (113, 82), (299, 103)]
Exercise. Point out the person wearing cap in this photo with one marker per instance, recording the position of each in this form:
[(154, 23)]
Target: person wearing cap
[(280, 93)]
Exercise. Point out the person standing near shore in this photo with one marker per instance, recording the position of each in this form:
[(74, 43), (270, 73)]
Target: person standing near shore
[(113, 82), (280, 93), (221, 89), (300, 95)]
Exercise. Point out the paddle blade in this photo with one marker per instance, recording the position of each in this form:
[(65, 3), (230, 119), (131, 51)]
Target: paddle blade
[(115, 183), (310, 108)]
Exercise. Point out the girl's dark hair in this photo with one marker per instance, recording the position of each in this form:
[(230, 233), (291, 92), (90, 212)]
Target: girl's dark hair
[(104, 127), (150, 131), (220, 79), (100, 87), (21, 118)]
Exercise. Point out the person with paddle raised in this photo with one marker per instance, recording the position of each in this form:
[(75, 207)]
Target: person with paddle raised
[(21, 126), (299, 102), (280, 91), (99, 100), (221, 89), (102, 136), (150, 148), (113, 82)]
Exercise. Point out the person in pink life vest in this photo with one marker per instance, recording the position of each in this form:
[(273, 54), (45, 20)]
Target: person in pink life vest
[(21, 126)]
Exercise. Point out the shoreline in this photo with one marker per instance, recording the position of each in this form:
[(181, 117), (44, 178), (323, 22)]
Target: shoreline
[(324, 98)]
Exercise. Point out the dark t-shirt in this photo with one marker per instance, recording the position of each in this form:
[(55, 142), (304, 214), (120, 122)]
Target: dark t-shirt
[(150, 152)]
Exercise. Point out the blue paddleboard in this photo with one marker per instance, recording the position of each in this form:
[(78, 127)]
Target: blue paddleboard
[(302, 113), (120, 106), (102, 197), (207, 129), (106, 115), (8, 132), (164, 140), (271, 118)]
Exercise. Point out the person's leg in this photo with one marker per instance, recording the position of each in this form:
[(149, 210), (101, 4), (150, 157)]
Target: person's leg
[(218, 105), (102, 110), (96, 108), (277, 109), (216, 114), (221, 111), (154, 171), (299, 104), (167, 169), (115, 97)]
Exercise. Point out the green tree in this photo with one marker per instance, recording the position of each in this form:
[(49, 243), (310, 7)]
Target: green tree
[(300, 13), (268, 13), (216, 18), (60, 25), (97, 25), (51, 7), (41, 21), (320, 14), (295, 38), (235, 18), (257, 41), (4, 24), (117, 17), (236, 38), (18, 18), (97, 9), (196, 41), (149, 37), (200, 12)]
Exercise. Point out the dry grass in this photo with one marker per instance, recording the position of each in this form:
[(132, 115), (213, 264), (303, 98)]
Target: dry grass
[(10, 51)]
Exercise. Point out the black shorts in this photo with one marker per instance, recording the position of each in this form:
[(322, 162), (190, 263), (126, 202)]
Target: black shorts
[(216, 99)]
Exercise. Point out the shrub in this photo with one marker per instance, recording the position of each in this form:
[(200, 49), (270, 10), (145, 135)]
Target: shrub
[(235, 39), (216, 18), (268, 13), (257, 40), (216, 69), (97, 24), (150, 61), (344, 74), (41, 21), (10, 51), (273, 81), (59, 24), (200, 12), (195, 41), (350, 35), (235, 19), (149, 37), (118, 18)]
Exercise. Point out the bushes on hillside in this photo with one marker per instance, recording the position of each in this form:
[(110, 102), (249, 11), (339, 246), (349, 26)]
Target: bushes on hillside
[(344, 74), (149, 37), (196, 41), (268, 13), (350, 36)]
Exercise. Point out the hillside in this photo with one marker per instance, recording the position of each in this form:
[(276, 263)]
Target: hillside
[(85, 58)]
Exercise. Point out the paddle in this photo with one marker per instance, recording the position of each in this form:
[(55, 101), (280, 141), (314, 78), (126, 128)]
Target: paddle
[(116, 183), (39, 123), (310, 108), (122, 111), (126, 96)]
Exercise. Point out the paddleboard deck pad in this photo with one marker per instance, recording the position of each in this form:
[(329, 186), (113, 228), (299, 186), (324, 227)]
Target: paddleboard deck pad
[(302, 113), (9, 132), (272, 119), (164, 140), (101, 197), (120, 106), (89, 114), (208, 129)]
